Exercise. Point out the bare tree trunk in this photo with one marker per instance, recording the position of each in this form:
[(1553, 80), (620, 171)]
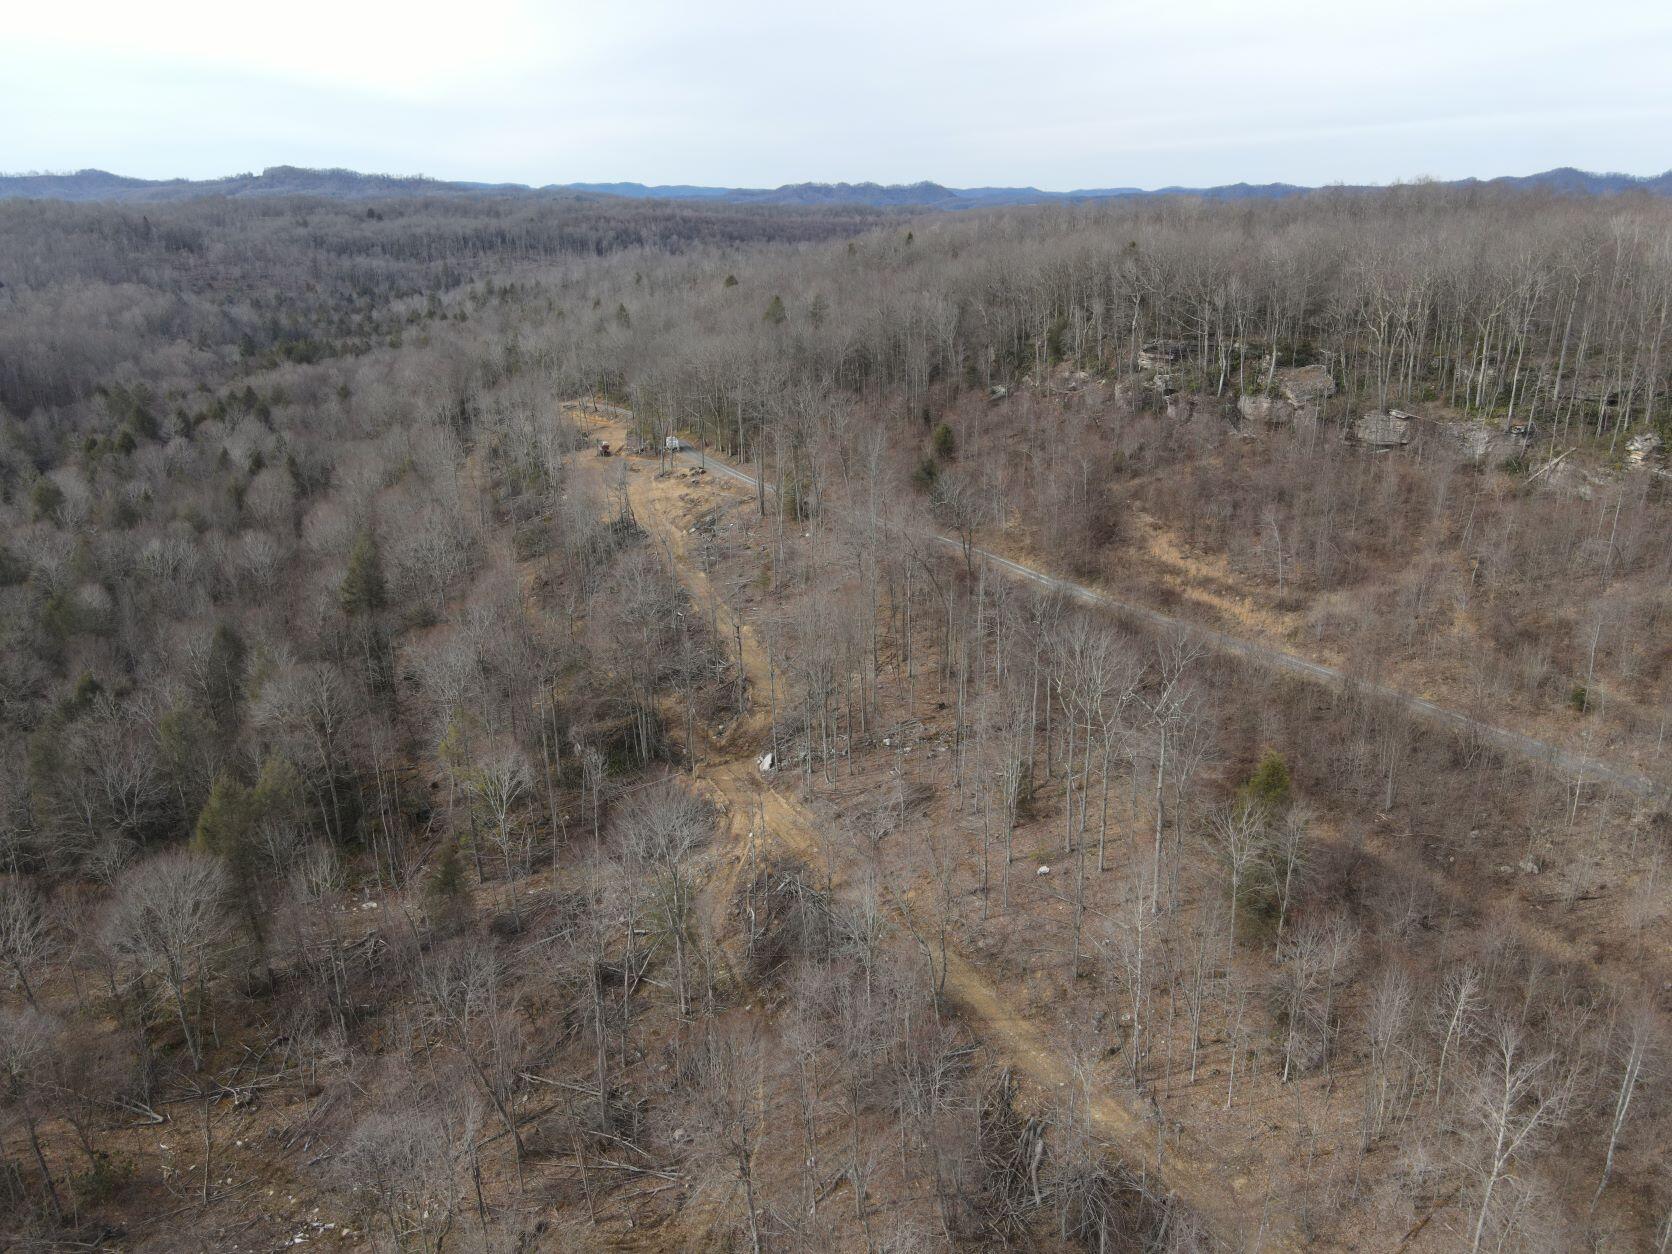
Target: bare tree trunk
[(1155, 865), (40, 1162)]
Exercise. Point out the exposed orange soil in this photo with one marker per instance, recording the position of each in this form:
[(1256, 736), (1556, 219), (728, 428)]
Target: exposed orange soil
[(665, 505)]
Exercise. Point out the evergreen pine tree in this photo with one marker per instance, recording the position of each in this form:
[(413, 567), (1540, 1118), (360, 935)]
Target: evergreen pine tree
[(447, 891), (1268, 787), (224, 675), (363, 589)]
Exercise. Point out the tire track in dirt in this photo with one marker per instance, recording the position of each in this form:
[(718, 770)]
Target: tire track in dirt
[(1222, 1199), (1518, 744)]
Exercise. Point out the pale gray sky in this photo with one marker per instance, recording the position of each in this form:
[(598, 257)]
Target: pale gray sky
[(1054, 93)]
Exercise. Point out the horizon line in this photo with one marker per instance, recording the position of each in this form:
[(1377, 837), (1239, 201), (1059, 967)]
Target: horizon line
[(488, 184)]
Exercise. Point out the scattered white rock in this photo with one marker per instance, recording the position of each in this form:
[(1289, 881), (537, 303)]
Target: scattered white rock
[(766, 761)]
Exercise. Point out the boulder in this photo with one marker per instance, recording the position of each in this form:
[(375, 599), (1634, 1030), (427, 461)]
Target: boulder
[(1475, 440), (1304, 385), (1382, 431), (1180, 406), (1159, 354), (1270, 410), (1565, 478), (1644, 448)]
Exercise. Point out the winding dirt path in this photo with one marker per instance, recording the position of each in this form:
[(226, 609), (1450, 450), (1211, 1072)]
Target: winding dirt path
[(1228, 1203), (1576, 766)]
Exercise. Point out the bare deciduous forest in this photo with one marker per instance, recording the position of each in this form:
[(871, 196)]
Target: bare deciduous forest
[(1123, 727)]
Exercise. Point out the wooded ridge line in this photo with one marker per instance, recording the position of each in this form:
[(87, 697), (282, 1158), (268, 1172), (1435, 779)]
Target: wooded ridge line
[(287, 180)]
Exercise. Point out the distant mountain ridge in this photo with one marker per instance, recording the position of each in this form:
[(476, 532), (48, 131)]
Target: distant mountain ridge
[(285, 180)]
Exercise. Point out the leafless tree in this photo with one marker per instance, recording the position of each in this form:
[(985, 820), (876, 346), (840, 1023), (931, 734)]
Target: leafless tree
[(965, 504), (1301, 983), (24, 937), (501, 783), (1236, 834), (312, 707), (1126, 944), (410, 1162), (665, 826), (1170, 705), (27, 1040), (1286, 854), (167, 923), (1456, 1011), (1516, 1098), (730, 1099), (1390, 1074), (475, 1013), (1635, 1052), (316, 882)]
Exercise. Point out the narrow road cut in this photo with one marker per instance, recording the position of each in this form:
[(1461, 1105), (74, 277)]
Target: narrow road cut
[(1579, 767)]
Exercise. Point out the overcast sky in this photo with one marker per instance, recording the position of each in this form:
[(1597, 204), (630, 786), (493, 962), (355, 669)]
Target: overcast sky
[(1055, 93)]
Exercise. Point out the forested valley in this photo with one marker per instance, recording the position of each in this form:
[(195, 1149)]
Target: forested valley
[(587, 724)]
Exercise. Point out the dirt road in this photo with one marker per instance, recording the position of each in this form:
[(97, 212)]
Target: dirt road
[(1227, 1203), (1576, 766)]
